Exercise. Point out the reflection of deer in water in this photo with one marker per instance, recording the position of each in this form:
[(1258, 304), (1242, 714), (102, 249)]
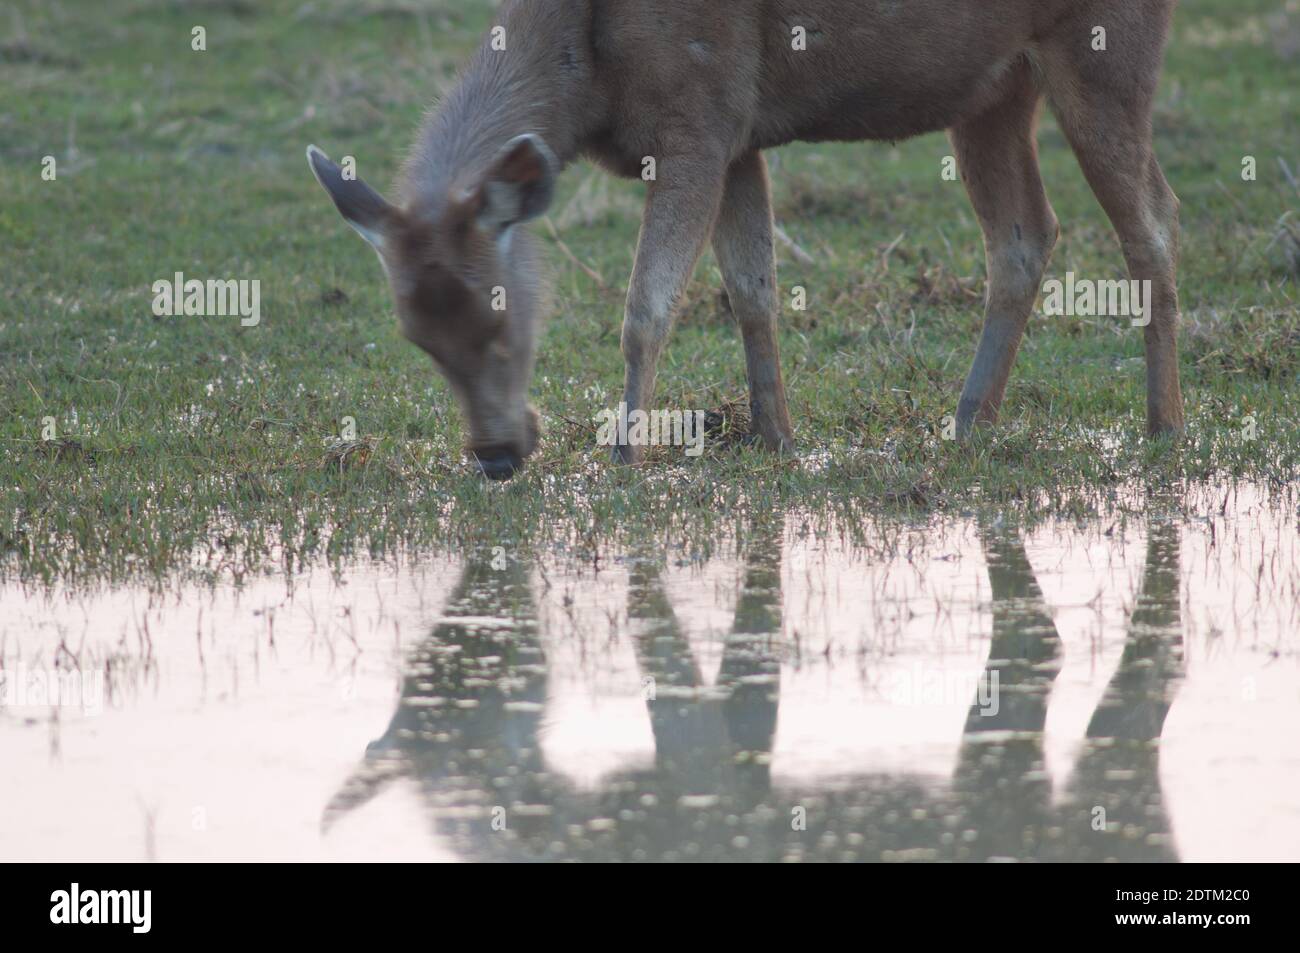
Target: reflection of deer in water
[(467, 732)]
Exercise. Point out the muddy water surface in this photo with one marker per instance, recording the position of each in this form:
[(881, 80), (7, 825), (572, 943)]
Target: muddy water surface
[(1125, 689)]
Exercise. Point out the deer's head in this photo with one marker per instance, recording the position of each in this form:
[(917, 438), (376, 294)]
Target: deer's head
[(465, 286)]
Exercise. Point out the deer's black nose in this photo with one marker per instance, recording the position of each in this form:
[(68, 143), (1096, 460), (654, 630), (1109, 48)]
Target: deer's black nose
[(498, 464)]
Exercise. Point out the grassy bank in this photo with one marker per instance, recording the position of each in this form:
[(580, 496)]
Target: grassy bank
[(187, 442)]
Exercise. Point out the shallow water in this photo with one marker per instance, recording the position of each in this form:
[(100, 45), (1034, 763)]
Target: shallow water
[(1125, 689)]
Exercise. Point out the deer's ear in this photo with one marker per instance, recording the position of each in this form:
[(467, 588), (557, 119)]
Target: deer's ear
[(361, 206), (518, 186)]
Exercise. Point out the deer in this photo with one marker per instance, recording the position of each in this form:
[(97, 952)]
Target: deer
[(703, 90), (467, 734)]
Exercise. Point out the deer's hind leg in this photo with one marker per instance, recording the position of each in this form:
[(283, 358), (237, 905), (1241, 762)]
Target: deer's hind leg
[(998, 157), (1103, 99)]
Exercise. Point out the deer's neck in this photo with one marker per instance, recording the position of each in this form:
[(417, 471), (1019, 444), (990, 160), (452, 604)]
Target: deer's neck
[(533, 74)]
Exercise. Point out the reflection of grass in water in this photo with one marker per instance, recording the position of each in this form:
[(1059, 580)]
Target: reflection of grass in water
[(194, 435)]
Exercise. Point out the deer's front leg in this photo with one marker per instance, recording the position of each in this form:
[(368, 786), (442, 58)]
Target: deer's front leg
[(681, 207), (742, 242)]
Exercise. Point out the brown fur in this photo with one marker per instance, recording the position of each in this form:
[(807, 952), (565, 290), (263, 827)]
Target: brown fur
[(703, 88)]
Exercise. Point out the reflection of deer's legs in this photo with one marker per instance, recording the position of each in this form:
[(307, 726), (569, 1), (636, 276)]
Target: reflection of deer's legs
[(1116, 808), (471, 700), (700, 732), (688, 730), (750, 674), (1000, 774), (1025, 655)]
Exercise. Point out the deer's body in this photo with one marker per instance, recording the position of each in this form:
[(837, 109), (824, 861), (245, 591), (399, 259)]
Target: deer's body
[(864, 71), (702, 88)]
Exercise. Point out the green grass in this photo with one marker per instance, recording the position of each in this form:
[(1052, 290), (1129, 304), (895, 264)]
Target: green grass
[(196, 445)]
